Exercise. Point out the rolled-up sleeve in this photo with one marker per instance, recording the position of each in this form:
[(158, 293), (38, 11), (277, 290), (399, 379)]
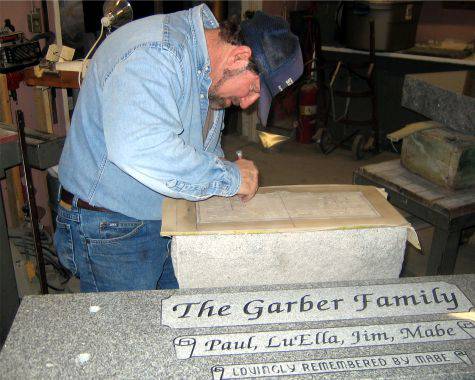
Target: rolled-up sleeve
[(142, 130)]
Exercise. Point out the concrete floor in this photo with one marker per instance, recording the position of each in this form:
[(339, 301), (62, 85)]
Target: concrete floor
[(296, 163)]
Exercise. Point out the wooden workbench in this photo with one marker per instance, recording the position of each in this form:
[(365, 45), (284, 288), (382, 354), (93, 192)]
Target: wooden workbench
[(448, 211), (61, 79)]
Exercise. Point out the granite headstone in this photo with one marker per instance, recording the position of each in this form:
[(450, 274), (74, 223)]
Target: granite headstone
[(419, 327)]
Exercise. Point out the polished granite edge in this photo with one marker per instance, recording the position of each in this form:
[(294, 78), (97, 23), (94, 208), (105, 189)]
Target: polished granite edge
[(451, 109)]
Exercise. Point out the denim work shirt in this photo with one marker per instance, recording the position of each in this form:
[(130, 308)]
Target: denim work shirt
[(137, 130)]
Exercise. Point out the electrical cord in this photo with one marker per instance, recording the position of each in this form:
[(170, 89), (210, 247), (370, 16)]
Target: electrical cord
[(332, 97), (396, 150), (26, 246), (55, 288), (50, 261), (80, 76), (63, 271), (48, 253)]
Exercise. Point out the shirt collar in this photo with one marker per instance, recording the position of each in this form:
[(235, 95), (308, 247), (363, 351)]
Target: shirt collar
[(203, 19)]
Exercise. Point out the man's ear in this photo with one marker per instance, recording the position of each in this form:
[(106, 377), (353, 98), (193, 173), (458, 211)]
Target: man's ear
[(237, 55)]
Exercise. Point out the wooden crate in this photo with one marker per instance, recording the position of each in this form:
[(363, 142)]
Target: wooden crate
[(442, 156)]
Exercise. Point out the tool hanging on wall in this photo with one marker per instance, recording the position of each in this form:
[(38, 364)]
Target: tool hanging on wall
[(17, 52), (31, 203)]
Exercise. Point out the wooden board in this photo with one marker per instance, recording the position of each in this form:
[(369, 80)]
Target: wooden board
[(412, 128), (322, 211), (43, 108), (394, 176), (61, 79)]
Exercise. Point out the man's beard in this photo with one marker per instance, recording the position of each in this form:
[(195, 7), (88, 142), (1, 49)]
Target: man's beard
[(217, 102)]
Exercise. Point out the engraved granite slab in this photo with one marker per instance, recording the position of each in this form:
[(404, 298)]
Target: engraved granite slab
[(335, 365), (446, 97), (419, 327), (322, 339), (302, 305)]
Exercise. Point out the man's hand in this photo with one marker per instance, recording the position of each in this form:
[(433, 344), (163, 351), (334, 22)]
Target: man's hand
[(249, 179)]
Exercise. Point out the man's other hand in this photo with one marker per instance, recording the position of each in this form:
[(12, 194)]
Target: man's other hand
[(249, 179)]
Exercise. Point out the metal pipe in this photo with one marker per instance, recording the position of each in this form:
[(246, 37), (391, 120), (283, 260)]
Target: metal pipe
[(30, 195)]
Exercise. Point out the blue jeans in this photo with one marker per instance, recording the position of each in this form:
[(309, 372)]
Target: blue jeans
[(109, 251)]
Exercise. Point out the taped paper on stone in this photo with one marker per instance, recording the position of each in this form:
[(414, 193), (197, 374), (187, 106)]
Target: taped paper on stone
[(283, 209), (285, 205)]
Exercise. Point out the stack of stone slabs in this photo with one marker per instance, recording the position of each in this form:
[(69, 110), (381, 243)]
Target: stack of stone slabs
[(286, 234), (445, 155), (445, 97)]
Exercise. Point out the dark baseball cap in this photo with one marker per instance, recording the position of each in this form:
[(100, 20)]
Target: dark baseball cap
[(276, 51)]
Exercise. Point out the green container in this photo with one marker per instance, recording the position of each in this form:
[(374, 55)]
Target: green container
[(442, 156)]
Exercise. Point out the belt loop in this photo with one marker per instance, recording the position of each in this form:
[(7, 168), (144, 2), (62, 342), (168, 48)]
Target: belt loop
[(58, 194), (74, 202)]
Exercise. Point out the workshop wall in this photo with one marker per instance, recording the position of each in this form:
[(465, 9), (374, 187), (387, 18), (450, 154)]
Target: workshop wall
[(17, 12), (283, 8), (439, 21)]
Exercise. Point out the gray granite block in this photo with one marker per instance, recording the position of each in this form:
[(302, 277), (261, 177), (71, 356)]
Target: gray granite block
[(446, 97), (408, 328), (285, 258)]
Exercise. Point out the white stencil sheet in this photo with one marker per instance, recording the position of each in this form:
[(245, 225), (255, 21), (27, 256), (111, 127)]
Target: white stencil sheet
[(286, 205)]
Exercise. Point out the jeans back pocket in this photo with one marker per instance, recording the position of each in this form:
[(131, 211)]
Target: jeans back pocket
[(114, 231)]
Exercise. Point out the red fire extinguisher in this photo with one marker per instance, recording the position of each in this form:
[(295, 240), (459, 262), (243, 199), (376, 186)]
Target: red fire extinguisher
[(307, 112)]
